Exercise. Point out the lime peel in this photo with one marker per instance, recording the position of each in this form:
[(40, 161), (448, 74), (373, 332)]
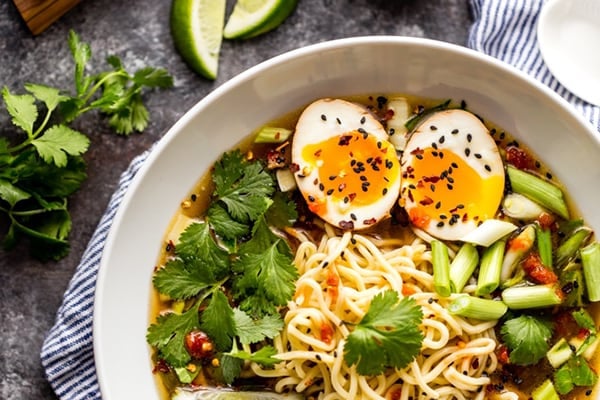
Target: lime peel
[(251, 18)]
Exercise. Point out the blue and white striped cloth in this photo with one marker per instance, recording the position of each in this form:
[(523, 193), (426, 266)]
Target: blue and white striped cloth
[(503, 28)]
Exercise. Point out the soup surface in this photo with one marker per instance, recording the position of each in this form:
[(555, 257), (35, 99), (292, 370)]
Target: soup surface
[(377, 247)]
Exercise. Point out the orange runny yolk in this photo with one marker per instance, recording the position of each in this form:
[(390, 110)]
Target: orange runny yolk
[(445, 186), (354, 168)]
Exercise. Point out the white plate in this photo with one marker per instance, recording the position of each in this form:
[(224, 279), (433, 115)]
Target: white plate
[(569, 39), (534, 114)]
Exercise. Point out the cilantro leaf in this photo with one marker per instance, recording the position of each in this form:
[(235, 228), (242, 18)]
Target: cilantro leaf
[(196, 242), (576, 372), (50, 96), (253, 331), (387, 336), (58, 142), (22, 109), (527, 338), (263, 356), (243, 187), (11, 193), (153, 77), (225, 226), (81, 53), (168, 335), (217, 321), (231, 368), (282, 212), (179, 282)]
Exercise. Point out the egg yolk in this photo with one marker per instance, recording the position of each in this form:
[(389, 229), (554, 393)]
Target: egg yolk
[(446, 189), (353, 169)]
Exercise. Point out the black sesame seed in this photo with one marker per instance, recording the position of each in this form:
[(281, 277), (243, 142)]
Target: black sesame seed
[(352, 163), (353, 216), (361, 130), (441, 155), (430, 300), (369, 160), (311, 198), (392, 131), (469, 137), (537, 164), (321, 187), (363, 120), (332, 177), (442, 139), (467, 152), (384, 191), (411, 186), (433, 128), (454, 165), (329, 192), (434, 153), (338, 121), (346, 199), (502, 135), (548, 175), (488, 168), (450, 179), (419, 156), (477, 155), (449, 186), (389, 164), (443, 216), (379, 145), (454, 131), (432, 187), (318, 357), (434, 145), (324, 117), (440, 224), (438, 205), (363, 178), (193, 197)]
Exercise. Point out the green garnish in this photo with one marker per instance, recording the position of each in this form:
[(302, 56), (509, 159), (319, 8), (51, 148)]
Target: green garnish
[(247, 262), (387, 336), (527, 338), (576, 372), (38, 174)]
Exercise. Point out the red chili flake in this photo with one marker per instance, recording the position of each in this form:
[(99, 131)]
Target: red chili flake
[(432, 179), (503, 356), (519, 158), (161, 366), (198, 344), (344, 140), (352, 196), (170, 246), (583, 333), (318, 153), (547, 221), (346, 225), (426, 201), (538, 273), (294, 167), (369, 221), (341, 187), (389, 114), (326, 333), (418, 150), (275, 159)]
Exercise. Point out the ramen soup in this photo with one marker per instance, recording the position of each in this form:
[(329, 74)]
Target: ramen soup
[(378, 247)]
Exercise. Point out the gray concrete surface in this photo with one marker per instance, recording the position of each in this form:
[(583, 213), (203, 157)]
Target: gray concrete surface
[(138, 32)]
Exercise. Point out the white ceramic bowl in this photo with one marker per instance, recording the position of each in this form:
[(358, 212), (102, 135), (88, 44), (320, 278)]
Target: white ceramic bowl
[(369, 65)]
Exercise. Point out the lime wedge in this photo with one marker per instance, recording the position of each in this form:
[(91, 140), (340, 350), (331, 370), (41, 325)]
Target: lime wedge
[(251, 18), (196, 27)]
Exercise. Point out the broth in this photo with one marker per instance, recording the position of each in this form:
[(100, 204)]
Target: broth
[(521, 380)]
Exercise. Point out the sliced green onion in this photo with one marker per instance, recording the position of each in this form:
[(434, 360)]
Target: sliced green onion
[(490, 231), (272, 134), (413, 122), (517, 248), (590, 259), (544, 245), (477, 308), (285, 180), (559, 353), (401, 113), (568, 248), (490, 268), (537, 189), (441, 268), (525, 297), (545, 391), (462, 267), (517, 206)]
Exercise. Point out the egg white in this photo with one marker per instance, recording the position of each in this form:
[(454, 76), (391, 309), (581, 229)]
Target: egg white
[(334, 119), (443, 133)]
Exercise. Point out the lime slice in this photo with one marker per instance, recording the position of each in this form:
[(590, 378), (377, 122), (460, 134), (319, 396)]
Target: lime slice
[(196, 27), (254, 17)]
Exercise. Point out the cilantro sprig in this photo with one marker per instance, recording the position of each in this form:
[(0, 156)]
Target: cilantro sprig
[(387, 336), (233, 253), (40, 172)]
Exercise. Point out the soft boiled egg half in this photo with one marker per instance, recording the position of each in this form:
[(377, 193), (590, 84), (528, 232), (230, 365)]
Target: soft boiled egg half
[(452, 175), (344, 165)]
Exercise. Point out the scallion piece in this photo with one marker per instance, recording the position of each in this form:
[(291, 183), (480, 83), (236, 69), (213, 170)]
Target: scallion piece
[(525, 297), (569, 247), (517, 248), (545, 391), (462, 267), (590, 260), (544, 245), (537, 189), (272, 134), (441, 268), (559, 353), (477, 308), (490, 268)]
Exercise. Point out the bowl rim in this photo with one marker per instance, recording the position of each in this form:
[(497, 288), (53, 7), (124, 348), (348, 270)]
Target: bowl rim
[(162, 143)]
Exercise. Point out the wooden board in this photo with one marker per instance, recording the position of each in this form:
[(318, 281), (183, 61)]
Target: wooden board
[(40, 14)]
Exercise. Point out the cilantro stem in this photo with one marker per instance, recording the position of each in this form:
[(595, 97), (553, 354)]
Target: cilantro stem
[(97, 87), (31, 137)]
